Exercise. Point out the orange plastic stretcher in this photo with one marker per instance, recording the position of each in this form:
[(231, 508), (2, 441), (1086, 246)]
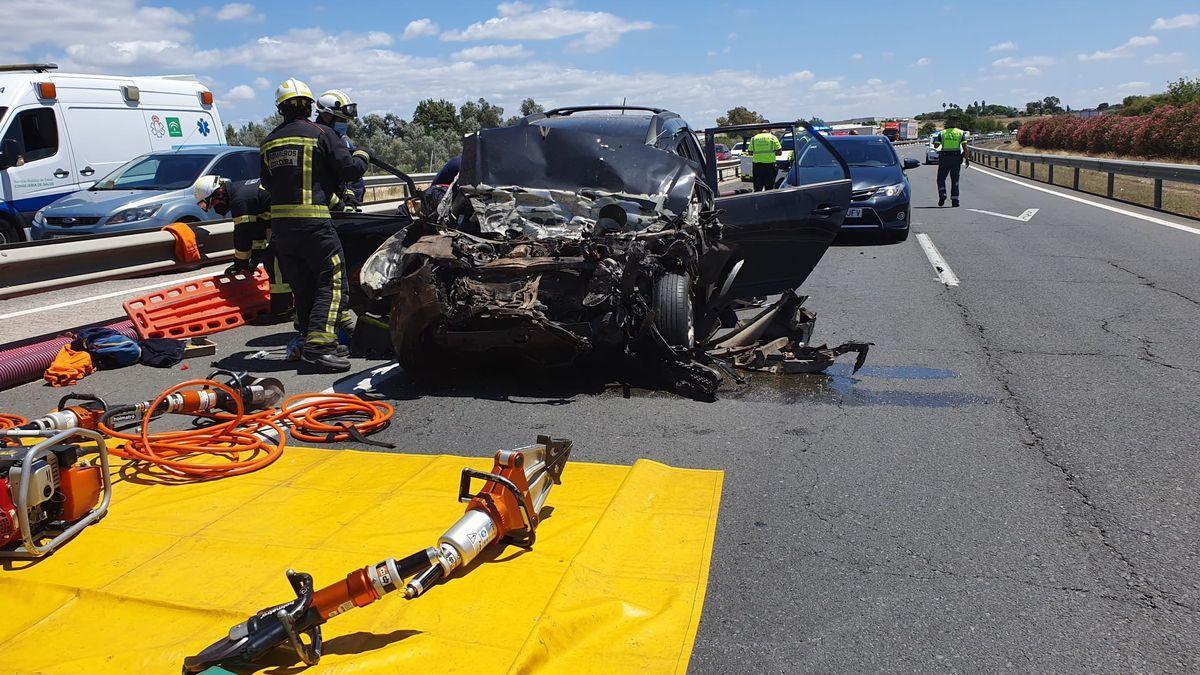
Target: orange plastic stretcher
[(200, 307)]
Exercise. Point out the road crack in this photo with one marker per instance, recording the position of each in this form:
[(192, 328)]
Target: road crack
[(1098, 519), (1149, 283)]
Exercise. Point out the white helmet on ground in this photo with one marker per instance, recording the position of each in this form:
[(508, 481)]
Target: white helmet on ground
[(292, 88), (337, 103)]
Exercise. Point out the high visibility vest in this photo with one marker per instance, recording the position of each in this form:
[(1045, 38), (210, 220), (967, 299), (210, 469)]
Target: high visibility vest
[(763, 147), (952, 139)]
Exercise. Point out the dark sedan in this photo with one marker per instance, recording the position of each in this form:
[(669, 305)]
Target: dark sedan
[(880, 195)]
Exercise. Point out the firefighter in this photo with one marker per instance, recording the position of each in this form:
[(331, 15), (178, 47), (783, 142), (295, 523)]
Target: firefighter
[(303, 163), (249, 205), (951, 146), (335, 110)]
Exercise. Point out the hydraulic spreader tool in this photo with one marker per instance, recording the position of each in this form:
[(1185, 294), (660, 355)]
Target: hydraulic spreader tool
[(506, 509)]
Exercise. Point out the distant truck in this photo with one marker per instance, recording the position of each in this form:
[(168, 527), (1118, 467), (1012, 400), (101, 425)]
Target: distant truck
[(853, 130), (900, 130), (61, 132)]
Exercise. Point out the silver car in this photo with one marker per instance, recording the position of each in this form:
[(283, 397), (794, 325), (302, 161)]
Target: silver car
[(931, 155), (146, 193)]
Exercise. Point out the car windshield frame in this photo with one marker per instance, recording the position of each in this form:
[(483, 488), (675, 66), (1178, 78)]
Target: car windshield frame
[(842, 143), (110, 182)]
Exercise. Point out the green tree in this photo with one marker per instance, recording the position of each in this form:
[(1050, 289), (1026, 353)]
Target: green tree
[(1014, 125), (476, 115), (530, 106), (1052, 105), (740, 115), (437, 116), (927, 129)]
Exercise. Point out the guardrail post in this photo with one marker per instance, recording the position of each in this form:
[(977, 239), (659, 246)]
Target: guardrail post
[(1018, 167), (1005, 165), (1075, 182), (1158, 193), (1111, 177), (1050, 174)]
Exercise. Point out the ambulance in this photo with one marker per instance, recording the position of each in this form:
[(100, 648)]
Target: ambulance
[(61, 132)]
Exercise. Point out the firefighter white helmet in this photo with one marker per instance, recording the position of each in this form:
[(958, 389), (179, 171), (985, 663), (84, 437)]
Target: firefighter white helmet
[(337, 103), (206, 186), (292, 88)]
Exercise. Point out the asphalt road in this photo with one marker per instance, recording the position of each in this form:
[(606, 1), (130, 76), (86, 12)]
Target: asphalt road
[(1010, 484)]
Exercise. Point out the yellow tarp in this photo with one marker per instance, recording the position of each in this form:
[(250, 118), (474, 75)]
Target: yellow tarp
[(615, 582)]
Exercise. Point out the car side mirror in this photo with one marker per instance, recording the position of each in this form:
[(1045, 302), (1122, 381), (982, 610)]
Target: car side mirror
[(10, 153), (911, 163)]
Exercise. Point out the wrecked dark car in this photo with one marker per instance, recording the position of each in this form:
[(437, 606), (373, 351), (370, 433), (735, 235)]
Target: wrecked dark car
[(598, 229)]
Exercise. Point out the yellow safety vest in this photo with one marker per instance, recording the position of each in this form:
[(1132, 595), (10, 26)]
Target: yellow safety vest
[(952, 139), (763, 147)]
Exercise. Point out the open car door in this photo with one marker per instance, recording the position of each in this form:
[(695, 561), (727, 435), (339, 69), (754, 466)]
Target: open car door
[(781, 234)]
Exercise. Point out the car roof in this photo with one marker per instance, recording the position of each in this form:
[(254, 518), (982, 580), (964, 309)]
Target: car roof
[(210, 150), (858, 137), (630, 125)]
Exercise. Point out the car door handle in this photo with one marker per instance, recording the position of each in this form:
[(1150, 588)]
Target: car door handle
[(826, 210), (61, 173), (87, 171)]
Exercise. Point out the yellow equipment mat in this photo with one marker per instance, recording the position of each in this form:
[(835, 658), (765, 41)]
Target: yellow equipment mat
[(615, 582)]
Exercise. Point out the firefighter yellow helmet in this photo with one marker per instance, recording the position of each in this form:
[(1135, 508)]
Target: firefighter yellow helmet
[(337, 103), (292, 88)]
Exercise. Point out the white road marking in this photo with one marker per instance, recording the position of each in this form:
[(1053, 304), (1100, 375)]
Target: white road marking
[(945, 274), (1024, 217), (1106, 207), (114, 294)]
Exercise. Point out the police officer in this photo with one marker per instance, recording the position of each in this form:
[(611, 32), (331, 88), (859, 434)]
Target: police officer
[(249, 205), (951, 146), (335, 110), (764, 149), (303, 163)]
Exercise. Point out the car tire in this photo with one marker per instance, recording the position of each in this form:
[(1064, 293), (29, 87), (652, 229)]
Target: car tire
[(10, 233), (898, 235), (673, 313)]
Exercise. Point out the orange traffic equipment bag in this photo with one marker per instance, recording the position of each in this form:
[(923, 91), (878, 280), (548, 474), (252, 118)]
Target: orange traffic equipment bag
[(201, 307)]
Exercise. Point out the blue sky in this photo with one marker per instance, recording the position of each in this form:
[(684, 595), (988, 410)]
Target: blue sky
[(784, 59)]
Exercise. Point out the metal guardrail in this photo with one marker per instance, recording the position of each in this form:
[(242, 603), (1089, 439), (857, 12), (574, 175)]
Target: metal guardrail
[(1010, 162), (28, 269)]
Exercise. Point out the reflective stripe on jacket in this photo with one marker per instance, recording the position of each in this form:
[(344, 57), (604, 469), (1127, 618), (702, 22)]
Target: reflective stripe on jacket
[(763, 147)]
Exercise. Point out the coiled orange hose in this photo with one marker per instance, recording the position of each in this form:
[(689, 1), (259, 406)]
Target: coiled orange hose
[(241, 442), (9, 421), (307, 415)]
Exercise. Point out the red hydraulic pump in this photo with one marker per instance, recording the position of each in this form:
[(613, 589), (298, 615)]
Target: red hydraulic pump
[(507, 508)]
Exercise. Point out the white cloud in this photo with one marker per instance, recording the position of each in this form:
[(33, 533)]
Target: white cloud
[(513, 8), (242, 92), (1006, 46), (923, 61), (825, 85), (1157, 59), (731, 36), (874, 81), (378, 38), (136, 53), (1133, 86), (856, 56), (261, 83), (1122, 51), (59, 23), (1180, 21), (596, 30), (1023, 62), (239, 11), (420, 28), (491, 53)]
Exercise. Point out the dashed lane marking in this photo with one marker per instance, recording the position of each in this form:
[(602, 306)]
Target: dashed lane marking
[(1024, 217), (1081, 200), (945, 274)]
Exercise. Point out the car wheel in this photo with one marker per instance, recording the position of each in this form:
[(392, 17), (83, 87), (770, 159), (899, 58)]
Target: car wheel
[(898, 235), (9, 234), (673, 314)]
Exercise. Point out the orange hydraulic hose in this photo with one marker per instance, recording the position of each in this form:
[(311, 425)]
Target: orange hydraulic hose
[(308, 415), (242, 441), (237, 439), (9, 421)]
